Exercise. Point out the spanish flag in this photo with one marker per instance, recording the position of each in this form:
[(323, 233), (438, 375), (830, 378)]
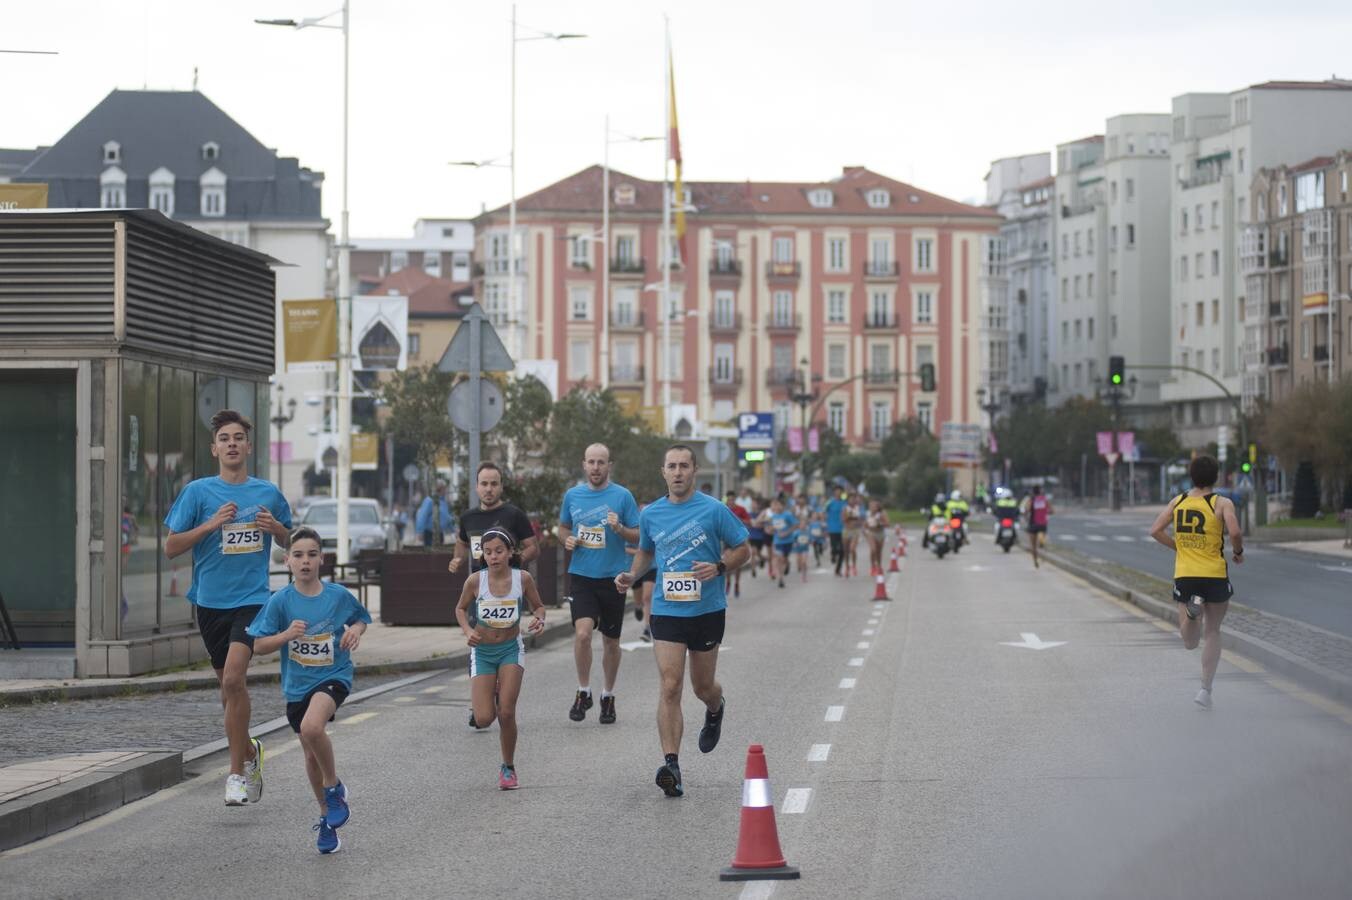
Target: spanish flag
[(674, 154)]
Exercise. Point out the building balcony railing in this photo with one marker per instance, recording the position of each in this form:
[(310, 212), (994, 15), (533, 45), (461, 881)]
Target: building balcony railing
[(626, 319), (879, 322), (882, 377), (498, 266), (774, 269), (1321, 353), (1278, 356), (780, 376), (628, 266), (1070, 211), (1277, 309), (880, 268), (725, 380), (626, 375), (725, 268), (783, 322), (725, 323), (1277, 259)]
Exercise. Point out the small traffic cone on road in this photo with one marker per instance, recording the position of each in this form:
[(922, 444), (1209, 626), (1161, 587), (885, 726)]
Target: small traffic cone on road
[(758, 855), (880, 585), (894, 567)]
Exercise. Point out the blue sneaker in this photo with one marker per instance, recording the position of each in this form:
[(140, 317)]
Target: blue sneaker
[(335, 798), (328, 838)]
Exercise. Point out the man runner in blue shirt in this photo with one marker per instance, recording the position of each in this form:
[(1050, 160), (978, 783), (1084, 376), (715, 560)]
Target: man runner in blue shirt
[(595, 520), (229, 522), (835, 528), (695, 541)]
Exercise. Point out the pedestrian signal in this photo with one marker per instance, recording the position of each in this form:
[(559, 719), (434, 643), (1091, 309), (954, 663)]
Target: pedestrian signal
[(1245, 467), (1116, 369), (927, 376), (754, 456)]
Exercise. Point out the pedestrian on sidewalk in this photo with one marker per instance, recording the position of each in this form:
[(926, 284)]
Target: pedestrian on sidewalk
[(695, 540), (595, 519), (229, 522), (1202, 589), (497, 651), (1039, 508), (426, 523), (319, 624)]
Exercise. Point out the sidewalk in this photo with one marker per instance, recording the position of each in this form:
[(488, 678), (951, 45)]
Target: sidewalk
[(1332, 547)]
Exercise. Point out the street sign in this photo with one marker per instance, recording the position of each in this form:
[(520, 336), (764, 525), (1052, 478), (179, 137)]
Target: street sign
[(718, 451), (756, 430), (411, 472), (495, 357), (1112, 458), (475, 349), (959, 445), (460, 405)]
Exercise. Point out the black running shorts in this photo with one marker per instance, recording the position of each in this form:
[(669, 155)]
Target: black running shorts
[(1211, 590), (698, 633), (599, 600), (648, 577), (222, 627), (295, 712)]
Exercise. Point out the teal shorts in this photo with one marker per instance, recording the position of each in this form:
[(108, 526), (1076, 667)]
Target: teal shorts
[(486, 659)]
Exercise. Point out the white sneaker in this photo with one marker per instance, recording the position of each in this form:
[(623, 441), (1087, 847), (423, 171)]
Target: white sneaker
[(236, 790), (1203, 698), (253, 772)]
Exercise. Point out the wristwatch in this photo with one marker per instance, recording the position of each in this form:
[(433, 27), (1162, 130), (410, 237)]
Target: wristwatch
[(722, 567)]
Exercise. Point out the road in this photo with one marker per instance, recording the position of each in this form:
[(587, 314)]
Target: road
[(1308, 587), (924, 756)]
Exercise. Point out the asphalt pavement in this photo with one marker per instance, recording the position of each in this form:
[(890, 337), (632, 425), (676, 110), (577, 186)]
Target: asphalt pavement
[(993, 731), (1308, 587)]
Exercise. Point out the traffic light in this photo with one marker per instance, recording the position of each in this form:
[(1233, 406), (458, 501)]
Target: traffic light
[(927, 376), (1116, 369), (1246, 467)]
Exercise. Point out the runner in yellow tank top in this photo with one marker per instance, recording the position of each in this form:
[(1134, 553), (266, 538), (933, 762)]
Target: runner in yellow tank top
[(1200, 519)]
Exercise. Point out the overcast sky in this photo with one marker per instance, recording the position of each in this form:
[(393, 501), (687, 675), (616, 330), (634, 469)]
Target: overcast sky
[(768, 89)]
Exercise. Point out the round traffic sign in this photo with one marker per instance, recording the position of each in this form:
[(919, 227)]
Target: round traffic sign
[(411, 472), (461, 407), (718, 450)]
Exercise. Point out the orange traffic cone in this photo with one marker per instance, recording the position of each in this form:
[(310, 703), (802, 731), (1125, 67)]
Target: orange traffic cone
[(894, 567), (758, 855), (901, 545), (880, 585)]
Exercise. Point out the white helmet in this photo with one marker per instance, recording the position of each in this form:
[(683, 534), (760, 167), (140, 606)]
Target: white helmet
[(939, 497), (956, 495)]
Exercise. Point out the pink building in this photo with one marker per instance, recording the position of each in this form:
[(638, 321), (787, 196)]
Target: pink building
[(850, 285)]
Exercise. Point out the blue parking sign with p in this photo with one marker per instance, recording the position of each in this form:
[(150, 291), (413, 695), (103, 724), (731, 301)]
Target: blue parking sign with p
[(756, 431)]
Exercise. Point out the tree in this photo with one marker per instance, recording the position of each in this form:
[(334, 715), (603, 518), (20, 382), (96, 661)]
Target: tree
[(912, 451), (853, 467), (829, 446), (416, 399), (525, 417)]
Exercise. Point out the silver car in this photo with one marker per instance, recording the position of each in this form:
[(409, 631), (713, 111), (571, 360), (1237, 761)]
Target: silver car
[(367, 527)]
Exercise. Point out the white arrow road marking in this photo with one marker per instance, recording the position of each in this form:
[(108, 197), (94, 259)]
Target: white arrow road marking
[(846, 683), (819, 753), (796, 800), (835, 713), (856, 661), (1032, 642)]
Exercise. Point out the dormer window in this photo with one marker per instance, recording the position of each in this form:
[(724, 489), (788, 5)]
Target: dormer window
[(624, 195), (113, 188), (879, 198), (112, 153), (212, 184), (211, 151), (162, 191), (820, 197)]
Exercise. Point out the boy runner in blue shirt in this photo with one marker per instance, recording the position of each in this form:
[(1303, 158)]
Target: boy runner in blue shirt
[(695, 540), (317, 625), (784, 526), (595, 519), (229, 521), (835, 528)]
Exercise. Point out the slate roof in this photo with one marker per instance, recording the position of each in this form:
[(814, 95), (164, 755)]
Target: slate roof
[(428, 297), (12, 161), (169, 129)]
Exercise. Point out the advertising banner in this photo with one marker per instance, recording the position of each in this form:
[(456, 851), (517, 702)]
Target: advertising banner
[(380, 333), (310, 335), (23, 196)]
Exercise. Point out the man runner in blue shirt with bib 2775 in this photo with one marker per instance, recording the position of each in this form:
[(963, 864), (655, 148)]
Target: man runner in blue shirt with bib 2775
[(695, 541)]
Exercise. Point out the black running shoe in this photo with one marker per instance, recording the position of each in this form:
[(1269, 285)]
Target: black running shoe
[(581, 703), (646, 636), (638, 612), (608, 710), (669, 780), (473, 724), (713, 728), (1193, 606)]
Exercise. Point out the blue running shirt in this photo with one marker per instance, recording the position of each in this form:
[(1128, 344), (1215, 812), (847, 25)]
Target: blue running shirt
[(783, 525), (600, 550), (309, 661), (229, 566), (680, 534), (834, 522)]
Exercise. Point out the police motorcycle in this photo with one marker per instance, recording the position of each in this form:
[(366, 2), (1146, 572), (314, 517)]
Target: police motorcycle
[(939, 535), (938, 509), (957, 511), (1006, 512)]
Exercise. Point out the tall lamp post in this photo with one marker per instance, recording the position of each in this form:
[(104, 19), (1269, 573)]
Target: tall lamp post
[(990, 408), (344, 366), (800, 394), (612, 137), (280, 421)]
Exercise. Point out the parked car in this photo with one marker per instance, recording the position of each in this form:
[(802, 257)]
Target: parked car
[(368, 528)]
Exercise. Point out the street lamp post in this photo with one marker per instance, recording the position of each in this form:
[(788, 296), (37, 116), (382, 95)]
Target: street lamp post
[(799, 393), (990, 408), (280, 421), (344, 299), (605, 243)]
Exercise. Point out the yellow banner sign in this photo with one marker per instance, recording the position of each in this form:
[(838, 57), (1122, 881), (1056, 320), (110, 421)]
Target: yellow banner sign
[(365, 451), (655, 416), (23, 196), (629, 401), (310, 335)]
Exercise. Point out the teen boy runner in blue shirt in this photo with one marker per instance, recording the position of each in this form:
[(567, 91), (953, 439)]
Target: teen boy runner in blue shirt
[(229, 521), (695, 540), (316, 625), (835, 528), (595, 519)]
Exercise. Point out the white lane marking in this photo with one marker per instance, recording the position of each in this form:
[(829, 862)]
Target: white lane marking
[(1124, 538), (870, 632), (1095, 537), (1069, 537), (1147, 538), (1033, 642), (835, 713), (1344, 569), (630, 646), (359, 717), (404, 699), (862, 645), (879, 607), (819, 753), (847, 683), (874, 621), (856, 661), (758, 890), (435, 689), (796, 800)]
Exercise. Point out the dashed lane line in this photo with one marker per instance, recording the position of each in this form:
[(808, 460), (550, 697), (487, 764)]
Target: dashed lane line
[(359, 717), (847, 684), (404, 699), (796, 800), (757, 890), (818, 752), (862, 645), (835, 713), (856, 661), (870, 632)]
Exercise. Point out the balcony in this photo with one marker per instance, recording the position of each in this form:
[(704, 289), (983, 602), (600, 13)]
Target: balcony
[(781, 376), (783, 271), (725, 270), (477, 270), (880, 270), (880, 322), (626, 375), (625, 319), (1321, 353), (1277, 259), (783, 322), (725, 324), (882, 377), (1277, 309), (626, 266), (1278, 356), (727, 381)]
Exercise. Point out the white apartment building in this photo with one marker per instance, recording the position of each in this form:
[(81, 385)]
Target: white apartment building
[(1111, 249), (1218, 142), (1020, 188), (440, 247)]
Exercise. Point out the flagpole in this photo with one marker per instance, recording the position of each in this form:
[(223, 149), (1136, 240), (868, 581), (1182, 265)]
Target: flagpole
[(664, 306)]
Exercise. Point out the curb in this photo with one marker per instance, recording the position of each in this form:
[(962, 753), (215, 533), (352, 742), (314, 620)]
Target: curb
[(1309, 674), (64, 806)]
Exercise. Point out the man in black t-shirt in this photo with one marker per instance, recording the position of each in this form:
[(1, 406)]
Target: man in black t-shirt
[(492, 512)]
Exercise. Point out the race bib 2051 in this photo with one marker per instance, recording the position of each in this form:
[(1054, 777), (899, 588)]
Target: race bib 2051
[(680, 587)]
